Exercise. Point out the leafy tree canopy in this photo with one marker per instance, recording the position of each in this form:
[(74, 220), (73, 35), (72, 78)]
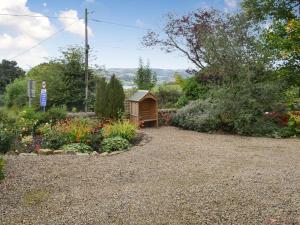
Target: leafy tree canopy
[(282, 34), (9, 71)]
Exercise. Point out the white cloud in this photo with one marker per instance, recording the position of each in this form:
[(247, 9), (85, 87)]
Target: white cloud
[(36, 27), (22, 33), (139, 23), (22, 41), (231, 3), (73, 26), (90, 1)]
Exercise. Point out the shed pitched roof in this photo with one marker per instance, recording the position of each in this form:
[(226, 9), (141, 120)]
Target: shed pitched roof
[(139, 95)]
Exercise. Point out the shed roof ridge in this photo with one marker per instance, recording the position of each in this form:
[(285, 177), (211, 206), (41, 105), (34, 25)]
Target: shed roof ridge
[(140, 94)]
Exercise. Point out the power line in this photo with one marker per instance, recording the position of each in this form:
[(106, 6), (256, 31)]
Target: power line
[(38, 16), (73, 18), (119, 24), (39, 43), (63, 29)]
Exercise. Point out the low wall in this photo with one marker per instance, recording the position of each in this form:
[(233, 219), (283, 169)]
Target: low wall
[(165, 116), (82, 114)]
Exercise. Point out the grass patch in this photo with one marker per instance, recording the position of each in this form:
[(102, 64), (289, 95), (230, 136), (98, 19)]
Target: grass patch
[(36, 197)]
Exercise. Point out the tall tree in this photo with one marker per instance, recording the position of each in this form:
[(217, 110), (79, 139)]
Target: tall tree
[(115, 97), (282, 33), (218, 44), (145, 78), (73, 63), (9, 71), (101, 97)]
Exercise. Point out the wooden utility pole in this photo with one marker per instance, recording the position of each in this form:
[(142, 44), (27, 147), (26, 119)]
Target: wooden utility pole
[(86, 61)]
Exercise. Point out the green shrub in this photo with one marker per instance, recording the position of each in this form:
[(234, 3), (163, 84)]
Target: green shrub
[(56, 113), (244, 107), (168, 94), (294, 124), (7, 138), (94, 139), (28, 120), (199, 116), (123, 129), (7, 132), (54, 140), (77, 147), (1, 168), (239, 110), (16, 93), (182, 101), (194, 90), (114, 144)]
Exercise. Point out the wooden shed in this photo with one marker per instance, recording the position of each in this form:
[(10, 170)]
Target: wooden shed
[(143, 108)]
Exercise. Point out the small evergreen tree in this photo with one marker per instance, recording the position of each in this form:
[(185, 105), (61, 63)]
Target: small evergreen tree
[(115, 97), (101, 97), (145, 78)]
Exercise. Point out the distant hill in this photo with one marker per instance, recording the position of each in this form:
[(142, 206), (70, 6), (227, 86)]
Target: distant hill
[(127, 74)]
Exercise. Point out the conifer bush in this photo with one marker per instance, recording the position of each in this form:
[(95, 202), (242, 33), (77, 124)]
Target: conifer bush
[(109, 97)]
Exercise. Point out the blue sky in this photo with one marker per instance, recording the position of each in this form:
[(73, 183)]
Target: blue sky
[(113, 46)]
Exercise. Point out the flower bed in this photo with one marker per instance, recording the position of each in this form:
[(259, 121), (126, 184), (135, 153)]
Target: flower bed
[(64, 135)]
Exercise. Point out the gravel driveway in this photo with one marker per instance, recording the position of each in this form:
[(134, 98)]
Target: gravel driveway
[(179, 177)]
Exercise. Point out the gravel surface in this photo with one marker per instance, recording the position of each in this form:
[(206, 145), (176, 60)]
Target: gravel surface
[(179, 177)]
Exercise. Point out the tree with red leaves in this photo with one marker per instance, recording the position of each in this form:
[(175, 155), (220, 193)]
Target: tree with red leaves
[(220, 45)]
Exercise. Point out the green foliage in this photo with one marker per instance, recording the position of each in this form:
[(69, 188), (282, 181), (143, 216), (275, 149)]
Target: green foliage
[(54, 140), (16, 93), (65, 80), (114, 144), (109, 98), (123, 129), (56, 113), (115, 97), (7, 132), (29, 119), (9, 71), (74, 76), (200, 115), (193, 89), (145, 78), (94, 139), (244, 106), (294, 124), (77, 147), (182, 101), (282, 35), (1, 168), (7, 138), (53, 74), (101, 97), (240, 110), (168, 94)]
